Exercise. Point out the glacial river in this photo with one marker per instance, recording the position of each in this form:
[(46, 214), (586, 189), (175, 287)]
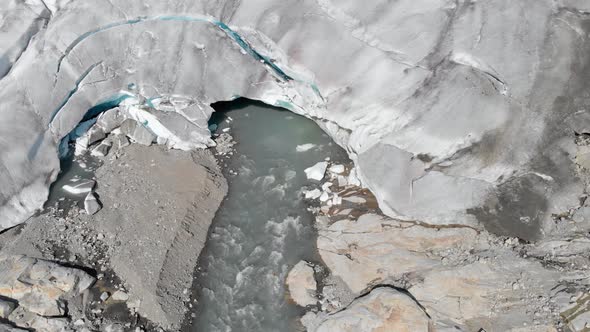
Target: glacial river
[(262, 228)]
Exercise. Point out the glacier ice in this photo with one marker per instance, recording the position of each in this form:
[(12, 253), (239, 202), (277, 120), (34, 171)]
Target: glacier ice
[(445, 109)]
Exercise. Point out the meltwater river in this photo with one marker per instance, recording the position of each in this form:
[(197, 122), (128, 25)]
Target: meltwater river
[(262, 228)]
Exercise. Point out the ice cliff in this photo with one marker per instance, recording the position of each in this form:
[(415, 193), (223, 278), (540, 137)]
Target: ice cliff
[(455, 112)]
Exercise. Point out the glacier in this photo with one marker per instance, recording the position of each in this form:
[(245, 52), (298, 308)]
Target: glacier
[(451, 115)]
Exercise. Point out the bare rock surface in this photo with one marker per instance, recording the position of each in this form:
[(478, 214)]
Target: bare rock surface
[(465, 279), (145, 241), (35, 293), (383, 309)]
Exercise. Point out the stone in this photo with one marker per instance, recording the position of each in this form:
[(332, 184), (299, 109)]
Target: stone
[(120, 296), (104, 296), (581, 322), (9, 328), (317, 171), (91, 204), (576, 312), (383, 309), (302, 284), (83, 187), (6, 307), (583, 158)]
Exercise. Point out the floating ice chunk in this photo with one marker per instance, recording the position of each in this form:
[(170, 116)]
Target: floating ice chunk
[(91, 204), (290, 175), (313, 194), (83, 187), (326, 187), (305, 147), (324, 197), (336, 169), (317, 171)]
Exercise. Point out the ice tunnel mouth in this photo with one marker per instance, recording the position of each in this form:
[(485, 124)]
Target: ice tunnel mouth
[(263, 227)]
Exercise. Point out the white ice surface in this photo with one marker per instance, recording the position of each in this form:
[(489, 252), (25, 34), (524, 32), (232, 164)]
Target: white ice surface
[(405, 86)]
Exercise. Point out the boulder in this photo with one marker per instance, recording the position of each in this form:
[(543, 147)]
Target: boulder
[(302, 284), (91, 204), (6, 307)]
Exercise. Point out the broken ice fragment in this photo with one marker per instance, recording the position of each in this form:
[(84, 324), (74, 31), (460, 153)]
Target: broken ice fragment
[(313, 194), (93, 135), (101, 150), (91, 204), (324, 197), (137, 132), (305, 147), (317, 171), (110, 120), (121, 141), (80, 188), (337, 169)]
